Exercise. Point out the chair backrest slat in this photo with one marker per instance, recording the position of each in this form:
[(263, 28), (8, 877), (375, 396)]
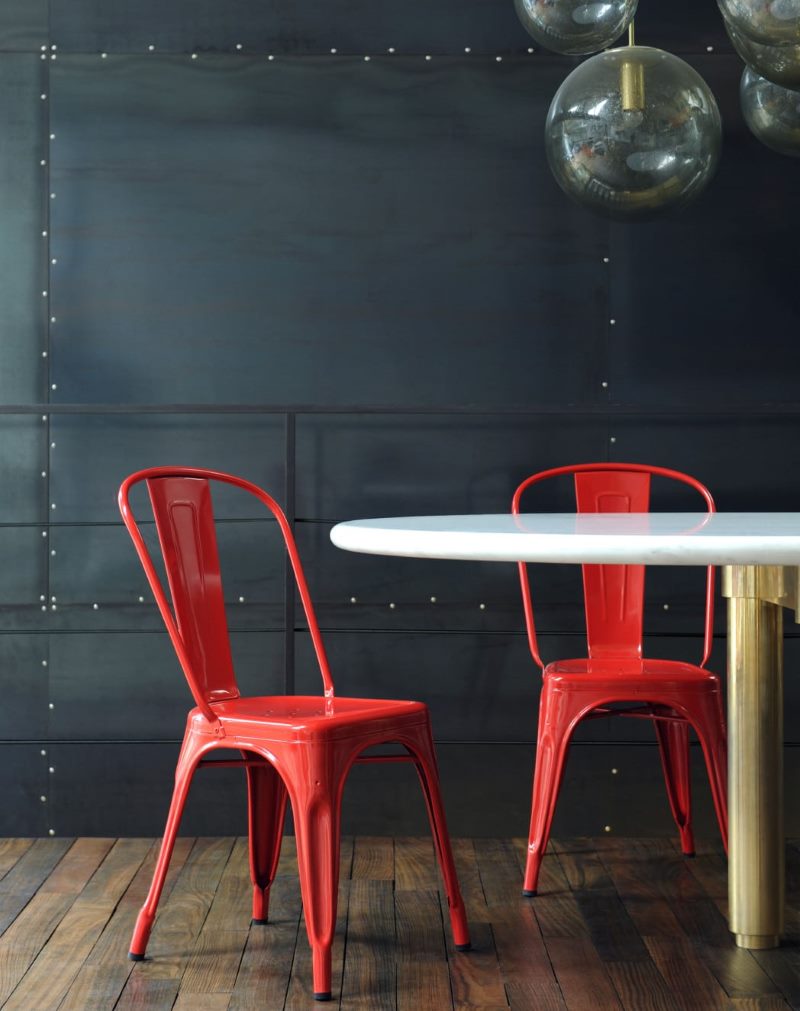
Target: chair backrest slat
[(613, 594), (184, 518)]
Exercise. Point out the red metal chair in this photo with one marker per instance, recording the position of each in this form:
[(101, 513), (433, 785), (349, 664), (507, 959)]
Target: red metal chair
[(674, 695), (300, 746)]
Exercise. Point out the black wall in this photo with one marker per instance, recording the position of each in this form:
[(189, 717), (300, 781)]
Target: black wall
[(354, 281)]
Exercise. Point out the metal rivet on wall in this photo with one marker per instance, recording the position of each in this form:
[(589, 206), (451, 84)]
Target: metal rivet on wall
[(53, 551), (194, 56), (354, 600), (141, 600), (241, 600), (482, 607), (151, 48), (392, 606), (433, 600), (606, 259), (51, 831), (103, 56), (95, 607), (44, 473), (467, 49), (43, 753), (666, 607), (613, 322), (50, 705), (613, 438), (709, 49), (270, 57), (334, 51), (531, 49), (614, 772), (367, 59), (50, 769), (604, 384), (428, 57), (499, 59), (44, 663), (44, 534), (390, 49), (239, 46), (43, 799), (606, 828), (54, 607)]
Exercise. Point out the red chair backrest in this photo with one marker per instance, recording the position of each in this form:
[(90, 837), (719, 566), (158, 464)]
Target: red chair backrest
[(613, 594), (196, 621)]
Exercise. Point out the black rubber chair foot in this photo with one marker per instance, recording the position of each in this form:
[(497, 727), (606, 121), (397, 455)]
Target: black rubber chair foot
[(528, 894), (464, 947), (134, 957), (689, 855), (259, 923), (322, 996)]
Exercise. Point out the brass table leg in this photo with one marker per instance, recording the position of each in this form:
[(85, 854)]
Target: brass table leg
[(755, 753)]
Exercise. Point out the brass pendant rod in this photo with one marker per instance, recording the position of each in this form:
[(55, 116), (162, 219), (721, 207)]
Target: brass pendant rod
[(631, 35)]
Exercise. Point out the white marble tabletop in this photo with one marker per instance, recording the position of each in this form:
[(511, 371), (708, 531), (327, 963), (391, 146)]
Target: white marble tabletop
[(609, 538)]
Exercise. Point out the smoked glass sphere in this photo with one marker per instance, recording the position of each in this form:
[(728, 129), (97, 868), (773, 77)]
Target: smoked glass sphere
[(575, 27), (778, 63), (771, 112), (632, 132), (770, 22)]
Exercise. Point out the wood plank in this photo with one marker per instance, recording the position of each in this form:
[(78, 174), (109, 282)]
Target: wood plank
[(611, 929), (147, 994), (500, 872), (369, 982), (77, 866), (202, 1002), (689, 979), (581, 974), (50, 977), (643, 868), (26, 937), (10, 852), (181, 917), (523, 957), (25, 878), (422, 977), (415, 864), (581, 865), (737, 969), (541, 996), (300, 993), (782, 965), (641, 987), (551, 874), (44, 985), (373, 858), (475, 977), (265, 969), (469, 878), (103, 975)]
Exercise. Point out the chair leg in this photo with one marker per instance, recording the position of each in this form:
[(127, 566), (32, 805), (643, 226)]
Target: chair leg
[(555, 721), (673, 743), (709, 723), (266, 810), (187, 762), (316, 804), (422, 748)]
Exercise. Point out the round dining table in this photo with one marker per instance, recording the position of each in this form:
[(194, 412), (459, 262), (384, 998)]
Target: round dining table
[(760, 555)]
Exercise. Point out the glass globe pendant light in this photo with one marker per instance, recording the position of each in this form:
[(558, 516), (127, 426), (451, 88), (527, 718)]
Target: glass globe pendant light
[(766, 34), (771, 112), (632, 132), (778, 63), (575, 27), (770, 22)]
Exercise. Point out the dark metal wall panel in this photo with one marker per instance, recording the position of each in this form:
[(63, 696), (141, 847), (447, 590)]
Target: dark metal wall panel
[(748, 463), (23, 25), (240, 223), (128, 686), (361, 26), (23, 571), (24, 679), (94, 452), (23, 252), (24, 780), (98, 565), (362, 465), (23, 457), (705, 300)]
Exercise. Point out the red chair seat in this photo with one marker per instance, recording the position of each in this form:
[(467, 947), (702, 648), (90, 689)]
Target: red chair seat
[(635, 673), (307, 717)]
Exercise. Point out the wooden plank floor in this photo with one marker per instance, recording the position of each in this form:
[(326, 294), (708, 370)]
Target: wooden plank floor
[(619, 925)]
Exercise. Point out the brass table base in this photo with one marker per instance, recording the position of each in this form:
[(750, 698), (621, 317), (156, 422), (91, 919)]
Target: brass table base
[(756, 596)]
